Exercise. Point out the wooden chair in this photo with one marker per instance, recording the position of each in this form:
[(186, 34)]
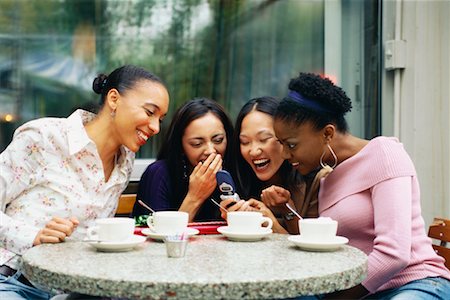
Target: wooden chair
[(126, 204), (440, 230)]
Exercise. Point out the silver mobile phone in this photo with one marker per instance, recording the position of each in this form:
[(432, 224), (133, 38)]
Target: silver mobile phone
[(226, 186)]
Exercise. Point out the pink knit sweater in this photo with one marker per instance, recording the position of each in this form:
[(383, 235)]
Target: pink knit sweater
[(375, 197)]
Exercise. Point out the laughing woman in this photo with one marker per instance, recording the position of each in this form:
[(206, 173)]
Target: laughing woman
[(262, 173), (373, 192), (59, 174), (184, 176)]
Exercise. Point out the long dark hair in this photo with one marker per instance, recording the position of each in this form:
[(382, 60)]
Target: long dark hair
[(248, 184), (172, 148)]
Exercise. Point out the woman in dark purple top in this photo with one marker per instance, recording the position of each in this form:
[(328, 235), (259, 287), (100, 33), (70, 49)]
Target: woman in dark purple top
[(184, 176)]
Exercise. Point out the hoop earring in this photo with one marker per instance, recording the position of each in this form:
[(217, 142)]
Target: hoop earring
[(332, 153), (113, 114)]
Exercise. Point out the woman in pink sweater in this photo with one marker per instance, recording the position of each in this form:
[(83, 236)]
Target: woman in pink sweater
[(372, 192)]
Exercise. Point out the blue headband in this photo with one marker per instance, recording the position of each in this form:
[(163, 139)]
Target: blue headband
[(308, 103)]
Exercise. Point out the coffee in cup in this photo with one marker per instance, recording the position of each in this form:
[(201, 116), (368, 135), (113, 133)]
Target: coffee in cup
[(168, 222), (247, 221), (111, 229), (315, 229)]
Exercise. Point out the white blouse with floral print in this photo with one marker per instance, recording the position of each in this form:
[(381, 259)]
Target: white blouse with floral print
[(52, 168)]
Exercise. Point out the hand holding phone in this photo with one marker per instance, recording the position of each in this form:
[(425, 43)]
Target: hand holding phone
[(226, 186)]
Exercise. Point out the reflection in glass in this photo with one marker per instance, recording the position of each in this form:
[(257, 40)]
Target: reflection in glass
[(229, 51)]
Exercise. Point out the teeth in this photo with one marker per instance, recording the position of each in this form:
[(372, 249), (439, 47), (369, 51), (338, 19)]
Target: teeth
[(295, 164), (260, 161), (142, 135)]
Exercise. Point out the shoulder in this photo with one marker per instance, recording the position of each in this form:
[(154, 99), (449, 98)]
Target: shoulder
[(390, 154), (158, 166), (45, 131), (385, 144), (381, 159), (41, 127), (157, 169), (155, 179)]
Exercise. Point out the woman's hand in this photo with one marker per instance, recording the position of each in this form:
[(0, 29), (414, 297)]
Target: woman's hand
[(242, 205), (232, 207), (202, 180), (202, 183), (56, 230), (255, 205), (274, 196)]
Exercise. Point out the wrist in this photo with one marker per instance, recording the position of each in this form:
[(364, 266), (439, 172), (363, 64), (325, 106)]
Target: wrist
[(190, 204), (277, 228)]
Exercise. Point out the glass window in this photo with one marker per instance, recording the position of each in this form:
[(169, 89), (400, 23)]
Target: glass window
[(229, 51)]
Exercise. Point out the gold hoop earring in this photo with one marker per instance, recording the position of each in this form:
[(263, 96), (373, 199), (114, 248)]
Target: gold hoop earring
[(324, 165)]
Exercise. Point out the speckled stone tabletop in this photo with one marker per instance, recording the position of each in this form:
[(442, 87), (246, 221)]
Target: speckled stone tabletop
[(213, 268)]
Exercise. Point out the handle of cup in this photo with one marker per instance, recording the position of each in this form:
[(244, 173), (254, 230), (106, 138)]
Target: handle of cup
[(92, 233), (269, 222)]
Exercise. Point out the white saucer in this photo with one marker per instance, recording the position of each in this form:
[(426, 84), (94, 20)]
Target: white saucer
[(160, 236), (327, 245), (244, 236), (126, 245)]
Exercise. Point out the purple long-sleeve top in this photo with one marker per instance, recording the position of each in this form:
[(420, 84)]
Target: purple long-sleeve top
[(155, 189)]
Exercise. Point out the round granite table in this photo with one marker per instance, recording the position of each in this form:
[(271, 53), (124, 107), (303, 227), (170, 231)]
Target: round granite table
[(213, 268)]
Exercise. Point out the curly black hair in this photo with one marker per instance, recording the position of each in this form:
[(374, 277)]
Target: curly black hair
[(332, 100)]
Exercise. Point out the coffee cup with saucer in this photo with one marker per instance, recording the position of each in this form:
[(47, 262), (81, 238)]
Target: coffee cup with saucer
[(168, 223), (246, 226), (318, 234), (113, 234)]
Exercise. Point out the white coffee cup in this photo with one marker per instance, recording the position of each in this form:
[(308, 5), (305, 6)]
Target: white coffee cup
[(111, 229), (168, 222), (315, 229), (247, 221)]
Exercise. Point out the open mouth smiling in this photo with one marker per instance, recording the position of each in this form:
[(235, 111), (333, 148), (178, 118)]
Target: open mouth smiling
[(143, 137), (261, 163)]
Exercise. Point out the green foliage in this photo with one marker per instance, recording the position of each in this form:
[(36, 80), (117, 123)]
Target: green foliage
[(229, 51), (141, 220)]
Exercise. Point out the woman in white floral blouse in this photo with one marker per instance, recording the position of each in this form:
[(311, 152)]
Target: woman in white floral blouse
[(60, 174)]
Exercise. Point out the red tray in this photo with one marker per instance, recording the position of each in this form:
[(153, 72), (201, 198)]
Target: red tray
[(138, 230), (207, 227), (203, 227)]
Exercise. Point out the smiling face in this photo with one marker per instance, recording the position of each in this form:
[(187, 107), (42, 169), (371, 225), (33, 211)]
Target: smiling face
[(202, 137), (259, 145), (139, 112), (302, 145)]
